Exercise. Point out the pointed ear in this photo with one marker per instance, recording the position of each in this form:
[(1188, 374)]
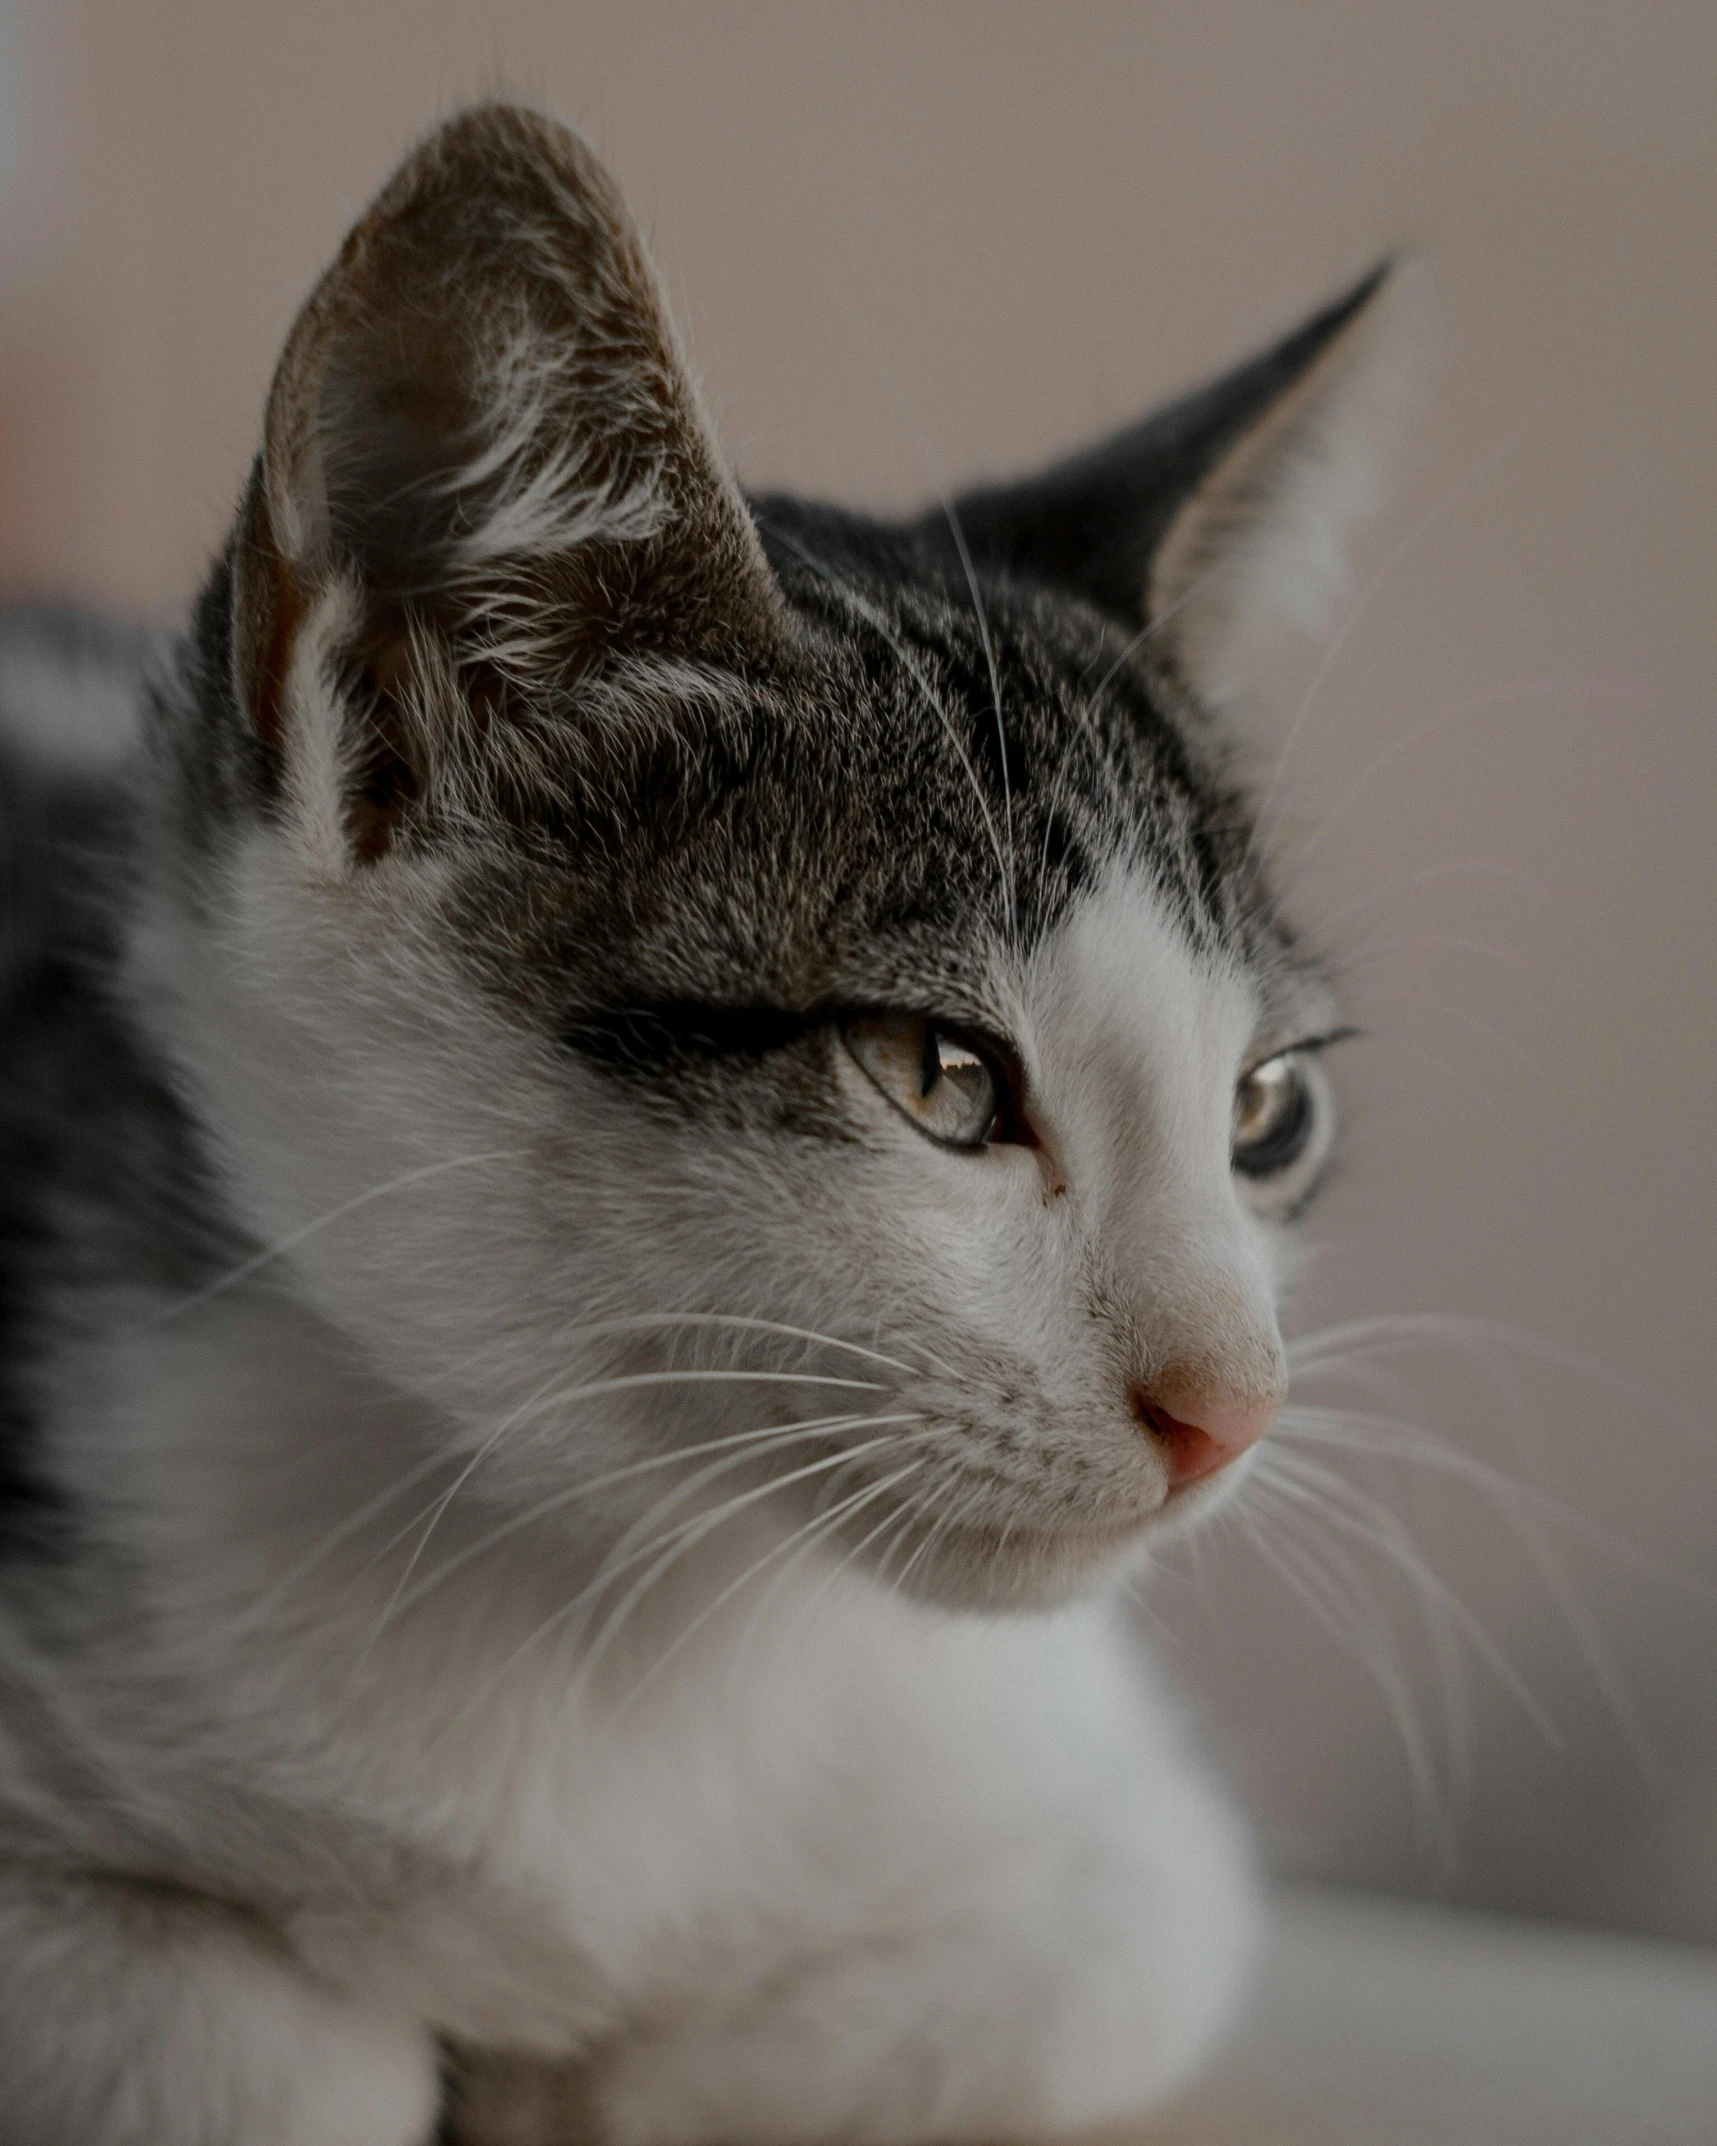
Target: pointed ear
[(1226, 507), (487, 490)]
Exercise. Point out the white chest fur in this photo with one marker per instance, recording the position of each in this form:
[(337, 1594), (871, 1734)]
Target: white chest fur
[(818, 1799)]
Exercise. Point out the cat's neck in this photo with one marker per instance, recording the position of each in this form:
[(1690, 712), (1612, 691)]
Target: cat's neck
[(278, 1505)]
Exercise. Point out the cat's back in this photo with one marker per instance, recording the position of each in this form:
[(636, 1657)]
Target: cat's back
[(93, 1147)]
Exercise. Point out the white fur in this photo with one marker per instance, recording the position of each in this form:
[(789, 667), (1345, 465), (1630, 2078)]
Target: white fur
[(850, 1864), (424, 1608), (537, 504), (145, 2021)]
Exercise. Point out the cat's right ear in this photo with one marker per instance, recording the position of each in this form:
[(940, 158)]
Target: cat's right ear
[(1228, 508), (488, 503)]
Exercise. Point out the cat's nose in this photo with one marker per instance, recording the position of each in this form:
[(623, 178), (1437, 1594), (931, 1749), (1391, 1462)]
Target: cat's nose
[(1199, 1432)]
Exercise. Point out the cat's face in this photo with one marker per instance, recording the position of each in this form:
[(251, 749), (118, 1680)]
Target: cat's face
[(745, 984)]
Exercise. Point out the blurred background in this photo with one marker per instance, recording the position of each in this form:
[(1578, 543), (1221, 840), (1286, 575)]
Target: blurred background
[(916, 244)]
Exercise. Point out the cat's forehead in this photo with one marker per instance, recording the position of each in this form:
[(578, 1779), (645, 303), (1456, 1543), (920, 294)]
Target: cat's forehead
[(496, 608), (1120, 979), (908, 811), (1044, 746)]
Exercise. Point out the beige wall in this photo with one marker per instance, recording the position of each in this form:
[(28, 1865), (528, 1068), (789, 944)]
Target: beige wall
[(916, 240)]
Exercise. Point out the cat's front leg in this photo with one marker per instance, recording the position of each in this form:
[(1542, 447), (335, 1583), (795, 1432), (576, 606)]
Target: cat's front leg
[(1058, 1999), (133, 2016)]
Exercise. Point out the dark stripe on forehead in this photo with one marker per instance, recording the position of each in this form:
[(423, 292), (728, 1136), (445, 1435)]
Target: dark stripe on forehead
[(858, 829), (646, 1038), (1082, 751)]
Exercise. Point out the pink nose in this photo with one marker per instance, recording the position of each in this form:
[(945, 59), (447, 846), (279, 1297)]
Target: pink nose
[(1199, 1437)]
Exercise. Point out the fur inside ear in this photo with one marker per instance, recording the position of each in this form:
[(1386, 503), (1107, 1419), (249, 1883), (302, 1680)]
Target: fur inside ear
[(486, 482), (1223, 510), (1263, 537)]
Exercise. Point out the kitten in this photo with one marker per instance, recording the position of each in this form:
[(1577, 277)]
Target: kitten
[(649, 1138)]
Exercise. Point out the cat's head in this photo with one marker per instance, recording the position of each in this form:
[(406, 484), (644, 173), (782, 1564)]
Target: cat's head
[(674, 967)]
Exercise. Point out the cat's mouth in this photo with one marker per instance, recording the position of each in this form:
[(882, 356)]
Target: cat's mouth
[(1033, 1563)]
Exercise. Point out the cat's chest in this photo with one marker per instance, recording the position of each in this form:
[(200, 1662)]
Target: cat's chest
[(791, 1781), (525, 1841), (857, 1776)]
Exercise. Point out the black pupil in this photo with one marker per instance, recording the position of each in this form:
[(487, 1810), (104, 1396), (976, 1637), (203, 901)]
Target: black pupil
[(1283, 1101), (930, 1065)]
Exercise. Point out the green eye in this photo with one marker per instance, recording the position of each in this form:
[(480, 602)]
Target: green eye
[(1275, 1114), (946, 1087)]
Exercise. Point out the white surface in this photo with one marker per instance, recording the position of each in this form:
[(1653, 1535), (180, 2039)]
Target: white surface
[(1388, 2024)]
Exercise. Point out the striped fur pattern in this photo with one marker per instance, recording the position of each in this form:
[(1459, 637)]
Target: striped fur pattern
[(563, 1563)]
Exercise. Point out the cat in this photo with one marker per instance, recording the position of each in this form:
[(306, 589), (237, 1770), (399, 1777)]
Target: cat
[(650, 1138)]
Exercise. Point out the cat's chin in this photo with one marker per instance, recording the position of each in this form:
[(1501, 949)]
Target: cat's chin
[(991, 1569), (1037, 1568)]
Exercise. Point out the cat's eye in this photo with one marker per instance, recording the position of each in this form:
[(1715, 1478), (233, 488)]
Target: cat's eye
[(946, 1086), (1275, 1115)]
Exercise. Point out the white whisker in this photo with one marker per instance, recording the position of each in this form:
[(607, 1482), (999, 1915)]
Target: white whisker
[(540, 1402), (1088, 701), (1344, 1618), (1480, 1341), (737, 1448), (903, 411), (1011, 883), (354, 1523), (1527, 1513), (690, 1533), (1343, 1506), (1460, 868), (278, 1250), (680, 1541), (1509, 696), (640, 1322), (1446, 499), (898, 1520), (804, 1539), (1430, 1002), (916, 672)]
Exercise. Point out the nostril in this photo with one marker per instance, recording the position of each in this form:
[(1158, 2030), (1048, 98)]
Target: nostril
[(1192, 1450), (1189, 1452)]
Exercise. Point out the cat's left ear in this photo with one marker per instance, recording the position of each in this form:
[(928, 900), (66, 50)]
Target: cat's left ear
[(489, 517), (1227, 508)]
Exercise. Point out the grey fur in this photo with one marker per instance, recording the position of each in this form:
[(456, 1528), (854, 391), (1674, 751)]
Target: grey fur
[(102, 1196), (440, 999)]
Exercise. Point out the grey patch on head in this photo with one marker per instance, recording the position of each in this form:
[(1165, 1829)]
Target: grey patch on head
[(927, 739), (906, 804)]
